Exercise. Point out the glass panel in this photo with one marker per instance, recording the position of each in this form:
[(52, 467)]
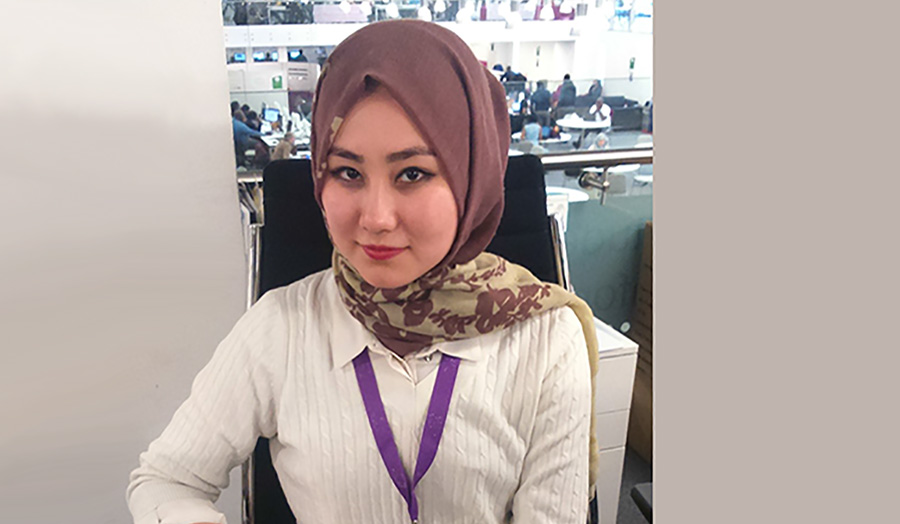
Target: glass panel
[(604, 245), (572, 117)]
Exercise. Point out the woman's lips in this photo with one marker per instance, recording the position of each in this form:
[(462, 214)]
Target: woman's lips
[(382, 252)]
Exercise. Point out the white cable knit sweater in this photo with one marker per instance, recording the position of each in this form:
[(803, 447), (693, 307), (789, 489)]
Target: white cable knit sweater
[(514, 449)]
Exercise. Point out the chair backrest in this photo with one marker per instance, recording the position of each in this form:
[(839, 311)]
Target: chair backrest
[(295, 244)]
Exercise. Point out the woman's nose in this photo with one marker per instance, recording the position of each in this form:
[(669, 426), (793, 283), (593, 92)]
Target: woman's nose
[(379, 211)]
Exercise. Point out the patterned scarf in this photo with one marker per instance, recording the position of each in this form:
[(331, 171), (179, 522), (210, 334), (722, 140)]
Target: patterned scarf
[(481, 296)]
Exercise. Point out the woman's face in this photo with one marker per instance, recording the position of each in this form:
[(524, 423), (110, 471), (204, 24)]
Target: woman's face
[(387, 203)]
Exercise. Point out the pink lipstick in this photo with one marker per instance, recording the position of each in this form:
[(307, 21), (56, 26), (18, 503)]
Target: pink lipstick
[(382, 252)]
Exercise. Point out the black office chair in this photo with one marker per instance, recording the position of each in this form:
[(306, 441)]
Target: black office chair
[(295, 244)]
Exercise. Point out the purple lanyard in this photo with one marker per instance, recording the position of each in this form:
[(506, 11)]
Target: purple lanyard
[(431, 434)]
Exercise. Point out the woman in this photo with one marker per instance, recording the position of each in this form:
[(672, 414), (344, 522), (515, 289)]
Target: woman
[(419, 378), (285, 148)]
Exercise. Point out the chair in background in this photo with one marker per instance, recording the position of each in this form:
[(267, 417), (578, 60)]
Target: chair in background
[(295, 244)]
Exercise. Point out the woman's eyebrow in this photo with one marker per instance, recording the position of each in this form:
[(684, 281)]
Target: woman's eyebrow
[(409, 153), (393, 157), (349, 155)]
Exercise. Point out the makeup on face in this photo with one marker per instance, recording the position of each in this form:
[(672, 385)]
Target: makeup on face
[(388, 206)]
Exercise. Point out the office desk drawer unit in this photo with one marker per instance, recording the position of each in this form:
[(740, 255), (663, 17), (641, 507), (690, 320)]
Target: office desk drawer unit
[(614, 382)]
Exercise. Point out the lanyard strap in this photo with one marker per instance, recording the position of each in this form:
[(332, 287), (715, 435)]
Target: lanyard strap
[(431, 433)]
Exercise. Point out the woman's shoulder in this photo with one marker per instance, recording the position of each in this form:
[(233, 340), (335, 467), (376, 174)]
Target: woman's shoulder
[(557, 323), (270, 322), (550, 333), (300, 295)]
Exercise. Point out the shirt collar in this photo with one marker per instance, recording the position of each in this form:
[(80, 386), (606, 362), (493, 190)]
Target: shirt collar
[(348, 336), (466, 349)]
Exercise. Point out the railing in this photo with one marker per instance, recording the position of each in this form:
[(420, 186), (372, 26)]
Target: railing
[(607, 158), (602, 160)]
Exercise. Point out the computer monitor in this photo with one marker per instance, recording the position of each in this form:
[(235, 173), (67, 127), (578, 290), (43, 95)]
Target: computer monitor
[(274, 56), (239, 57), (259, 56), (293, 54), (271, 114)]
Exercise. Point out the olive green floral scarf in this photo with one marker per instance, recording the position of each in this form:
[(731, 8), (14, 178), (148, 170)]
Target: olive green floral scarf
[(464, 301)]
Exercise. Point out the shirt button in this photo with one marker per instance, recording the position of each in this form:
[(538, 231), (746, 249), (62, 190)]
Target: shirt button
[(428, 358)]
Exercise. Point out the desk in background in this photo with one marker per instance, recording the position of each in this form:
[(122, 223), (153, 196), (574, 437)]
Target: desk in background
[(562, 139), (581, 125)]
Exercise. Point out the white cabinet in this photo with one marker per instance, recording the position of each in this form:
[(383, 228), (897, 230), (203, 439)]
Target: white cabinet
[(609, 483), (612, 428), (612, 406)]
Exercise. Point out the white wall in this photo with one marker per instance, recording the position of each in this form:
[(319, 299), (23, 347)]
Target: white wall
[(620, 46), (640, 89), (501, 54), (555, 59), (121, 262)]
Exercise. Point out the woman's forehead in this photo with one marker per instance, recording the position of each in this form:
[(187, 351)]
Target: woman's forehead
[(378, 123)]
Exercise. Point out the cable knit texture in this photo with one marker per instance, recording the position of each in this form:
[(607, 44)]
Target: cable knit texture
[(514, 449)]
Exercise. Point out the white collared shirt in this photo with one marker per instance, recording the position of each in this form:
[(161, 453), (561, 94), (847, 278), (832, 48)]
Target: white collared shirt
[(515, 440)]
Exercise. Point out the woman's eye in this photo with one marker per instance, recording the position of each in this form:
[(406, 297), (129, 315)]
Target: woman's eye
[(346, 173), (413, 175)]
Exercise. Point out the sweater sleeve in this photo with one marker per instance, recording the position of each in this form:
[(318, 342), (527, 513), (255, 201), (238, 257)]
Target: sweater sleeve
[(233, 401), (554, 483)]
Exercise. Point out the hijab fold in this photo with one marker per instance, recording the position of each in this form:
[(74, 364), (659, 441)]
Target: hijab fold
[(460, 109)]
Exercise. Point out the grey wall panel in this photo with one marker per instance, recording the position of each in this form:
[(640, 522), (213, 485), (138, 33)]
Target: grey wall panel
[(121, 262)]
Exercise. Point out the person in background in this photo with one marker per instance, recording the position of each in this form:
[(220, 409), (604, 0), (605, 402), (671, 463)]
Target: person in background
[(531, 131), (253, 121), (567, 92), (596, 141), (511, 76), (241, 131), (602, 112), (514, 85), (302, 57), (235, 106), (245, 109), (247, 138), (285, 148), (595, 90), (540, 100)]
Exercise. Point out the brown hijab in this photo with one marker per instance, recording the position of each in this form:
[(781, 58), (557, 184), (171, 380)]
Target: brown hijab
[(460, 109), (454, 101)]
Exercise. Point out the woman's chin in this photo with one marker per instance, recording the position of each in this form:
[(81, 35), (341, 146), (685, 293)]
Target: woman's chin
[(385, 281)]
